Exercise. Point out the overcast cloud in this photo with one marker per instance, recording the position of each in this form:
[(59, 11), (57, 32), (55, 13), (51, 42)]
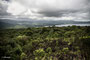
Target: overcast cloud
[(46, 9)]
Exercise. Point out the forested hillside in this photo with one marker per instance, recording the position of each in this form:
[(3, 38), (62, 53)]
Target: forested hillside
[(45, 43)]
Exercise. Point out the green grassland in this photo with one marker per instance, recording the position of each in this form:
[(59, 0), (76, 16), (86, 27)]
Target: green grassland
[(45, 43)]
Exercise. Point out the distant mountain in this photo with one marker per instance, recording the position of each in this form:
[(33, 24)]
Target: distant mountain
[(6, 23)]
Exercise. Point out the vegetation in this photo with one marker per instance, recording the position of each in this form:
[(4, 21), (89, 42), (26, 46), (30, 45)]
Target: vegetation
[(45, 43)]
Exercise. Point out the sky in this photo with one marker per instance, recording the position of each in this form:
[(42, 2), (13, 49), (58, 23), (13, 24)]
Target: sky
[(45, 9)]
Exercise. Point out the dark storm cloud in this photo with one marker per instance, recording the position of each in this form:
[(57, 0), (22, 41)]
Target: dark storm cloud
[(51, 13), (84, 10), (58, 13), (6, 0)]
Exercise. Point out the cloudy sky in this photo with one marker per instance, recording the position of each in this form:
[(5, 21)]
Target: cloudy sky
[(45, 9)]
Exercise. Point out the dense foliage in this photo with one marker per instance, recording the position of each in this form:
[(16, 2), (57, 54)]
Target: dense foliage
[(45, 43)]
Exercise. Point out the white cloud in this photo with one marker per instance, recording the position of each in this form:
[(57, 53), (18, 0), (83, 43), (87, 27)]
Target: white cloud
[(15, 8), (49, 9)]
